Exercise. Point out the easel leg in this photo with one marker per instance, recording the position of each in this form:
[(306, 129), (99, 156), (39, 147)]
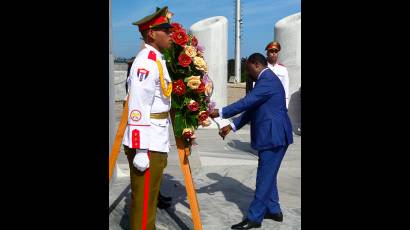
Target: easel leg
[(189, 185)]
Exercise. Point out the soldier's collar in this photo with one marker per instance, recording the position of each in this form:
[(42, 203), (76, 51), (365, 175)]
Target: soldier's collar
[(159, 54)]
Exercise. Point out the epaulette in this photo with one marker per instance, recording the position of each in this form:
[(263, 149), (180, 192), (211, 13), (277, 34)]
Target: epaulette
[(152, 55), (281, 64)]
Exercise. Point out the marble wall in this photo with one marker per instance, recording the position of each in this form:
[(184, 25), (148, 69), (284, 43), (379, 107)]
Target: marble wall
[(212, 34), (288, 34)]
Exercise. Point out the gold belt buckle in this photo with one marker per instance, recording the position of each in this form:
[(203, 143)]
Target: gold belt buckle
[(163, 115)]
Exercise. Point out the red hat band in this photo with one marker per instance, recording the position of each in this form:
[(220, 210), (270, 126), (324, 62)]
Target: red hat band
[(154, 22)]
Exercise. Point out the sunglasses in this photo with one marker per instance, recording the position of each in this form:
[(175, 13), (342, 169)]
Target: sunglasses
[(165, 30), (274, 50)]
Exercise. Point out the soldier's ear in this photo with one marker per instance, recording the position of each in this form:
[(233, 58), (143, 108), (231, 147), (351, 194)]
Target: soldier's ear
[(151, 34)]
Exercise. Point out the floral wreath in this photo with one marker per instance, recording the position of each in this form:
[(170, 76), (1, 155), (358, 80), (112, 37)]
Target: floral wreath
[(191, 87)]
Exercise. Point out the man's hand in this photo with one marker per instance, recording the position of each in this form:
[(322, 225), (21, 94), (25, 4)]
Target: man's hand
[(224, 131), (141, 160), (214, 113)]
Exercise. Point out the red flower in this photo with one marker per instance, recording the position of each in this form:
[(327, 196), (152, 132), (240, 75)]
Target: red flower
[(178, 87), (193, 106), (180, 37), (194, 41), (184, 60), (202, 116), (176, 27), (187, 133), (201, 88)]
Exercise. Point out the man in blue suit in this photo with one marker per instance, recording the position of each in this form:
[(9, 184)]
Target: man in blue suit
[(271, 134)]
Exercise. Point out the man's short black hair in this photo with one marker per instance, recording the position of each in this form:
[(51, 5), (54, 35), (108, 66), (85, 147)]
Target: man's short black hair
[(258, 58), (144, 35)]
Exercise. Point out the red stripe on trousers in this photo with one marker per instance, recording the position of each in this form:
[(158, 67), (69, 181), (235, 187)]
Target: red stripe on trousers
[(146, 197)]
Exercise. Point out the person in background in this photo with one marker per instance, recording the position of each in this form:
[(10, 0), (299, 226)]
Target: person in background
[(272, 53)]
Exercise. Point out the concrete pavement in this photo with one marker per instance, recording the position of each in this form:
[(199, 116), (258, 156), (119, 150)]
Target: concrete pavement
[(224, 173)]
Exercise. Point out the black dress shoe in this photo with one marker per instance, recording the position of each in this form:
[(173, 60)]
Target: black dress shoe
[(164, 198), (162, 204), (246, 224), (276, 217)]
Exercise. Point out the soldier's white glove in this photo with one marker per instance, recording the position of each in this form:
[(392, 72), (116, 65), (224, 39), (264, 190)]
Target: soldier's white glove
[(141, 160)]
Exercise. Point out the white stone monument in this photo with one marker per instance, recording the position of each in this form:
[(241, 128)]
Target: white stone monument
[(288, 34), (212, 34)]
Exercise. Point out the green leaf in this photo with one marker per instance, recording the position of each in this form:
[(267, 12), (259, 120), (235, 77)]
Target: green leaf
[(203, 107), (186, 101), (176, 102), (179, 123), (196, 72), (192, 119)]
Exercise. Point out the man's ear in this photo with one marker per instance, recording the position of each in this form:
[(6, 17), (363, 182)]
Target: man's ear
[(257, 65), (151, 34)]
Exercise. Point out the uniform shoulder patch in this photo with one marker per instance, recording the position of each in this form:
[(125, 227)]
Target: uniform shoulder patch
[(142, 74), (152, 55)]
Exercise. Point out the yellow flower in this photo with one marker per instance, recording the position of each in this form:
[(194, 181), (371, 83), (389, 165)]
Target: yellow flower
[(200, 63), (209, 89), (194, 82), (187, 132), (206, 123), (190, 51)]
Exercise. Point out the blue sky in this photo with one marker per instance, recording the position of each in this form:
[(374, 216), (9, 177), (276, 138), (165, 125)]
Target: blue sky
[(259, 18)]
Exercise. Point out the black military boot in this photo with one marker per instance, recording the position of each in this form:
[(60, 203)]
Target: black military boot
[(163, 201), (164, 198)]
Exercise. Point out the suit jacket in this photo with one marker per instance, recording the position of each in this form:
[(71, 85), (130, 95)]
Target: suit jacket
[(265, 108)]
